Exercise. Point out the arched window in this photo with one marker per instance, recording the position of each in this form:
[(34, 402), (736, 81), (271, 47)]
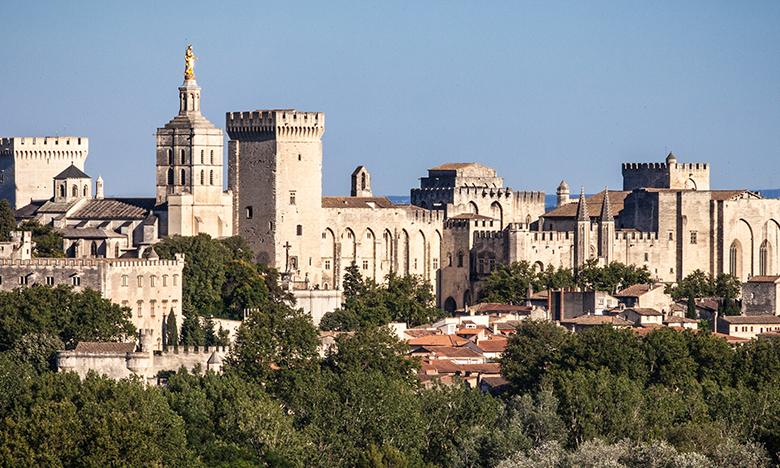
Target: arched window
[(212, 156), (201, 156), (460, 259), (93, 249), (74, 191), (183, 158), (62, 190), (363, 181), (86, 189), (202, 178), (734, 252), (183, 178), (763, 258), (211, 177), (170, 157), (170, 176)]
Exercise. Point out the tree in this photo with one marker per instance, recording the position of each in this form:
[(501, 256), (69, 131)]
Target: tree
[(552, 278), (372, 349), (612, 277), (697, 285), (172, 331), (510, 284), (48, 242), (531, 351), (728, 288), (7, 220)]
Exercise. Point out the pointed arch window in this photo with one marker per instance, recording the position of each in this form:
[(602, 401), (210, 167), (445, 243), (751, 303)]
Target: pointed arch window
[(763, 258), (183, 157), (212, 156), (183, 178), (202, 179), (170, 157), (75, 191), (202, 152), (211, 177), (170, 176)]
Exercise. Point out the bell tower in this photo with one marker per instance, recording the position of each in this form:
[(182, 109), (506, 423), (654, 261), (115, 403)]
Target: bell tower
[(189, 166)]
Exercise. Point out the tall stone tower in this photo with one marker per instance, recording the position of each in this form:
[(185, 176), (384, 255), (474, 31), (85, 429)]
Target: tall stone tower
[(275, 174), (606, 229), (189, 167)]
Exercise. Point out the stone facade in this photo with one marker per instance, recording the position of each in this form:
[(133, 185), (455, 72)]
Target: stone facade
[(28, 165), (760, 295), (19, 247), (151, 288)]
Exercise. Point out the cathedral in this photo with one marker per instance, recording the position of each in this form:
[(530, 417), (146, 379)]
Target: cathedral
[(462, 221)]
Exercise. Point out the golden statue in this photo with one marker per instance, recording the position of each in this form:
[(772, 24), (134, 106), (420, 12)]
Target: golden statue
[(189, 63)]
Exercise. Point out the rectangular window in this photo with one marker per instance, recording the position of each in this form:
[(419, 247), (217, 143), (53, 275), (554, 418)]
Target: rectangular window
[(292, 197), (693, 237), (365, 264), (327, 264), (140, 281), (76, 280), (165, 308), (49, 281), (152, 307), (23, 280), (175, 280), (124, 281), (152, 280), (165, 280), (492, 264), (671, 235), (415, 263), (249, 212), (435, 263), (481, 263), (299, 230), (647, 257), (140, 308)]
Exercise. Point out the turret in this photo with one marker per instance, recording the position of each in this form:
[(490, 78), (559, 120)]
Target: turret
[(99, 188), (563, 193), (582, 233), (361, 182)]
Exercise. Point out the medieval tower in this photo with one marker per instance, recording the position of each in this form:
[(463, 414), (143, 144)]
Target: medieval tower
[(275, 174), (189, 167)]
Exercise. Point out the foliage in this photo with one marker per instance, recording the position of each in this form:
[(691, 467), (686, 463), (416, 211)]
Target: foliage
[(612, 277), (220, 279), (531, 351), (63, 313), (48, 242), (7, 220), (406, 299), (171, 332), (510, 284)]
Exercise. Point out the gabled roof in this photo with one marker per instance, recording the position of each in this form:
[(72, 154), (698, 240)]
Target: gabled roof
[(597, 320), (751, 319), (449, 351), (72, 172), (438, 340), (492, 346), (635, 290), (115, 208), (488, 307), (645, 311), (595, 202), (104, 347)]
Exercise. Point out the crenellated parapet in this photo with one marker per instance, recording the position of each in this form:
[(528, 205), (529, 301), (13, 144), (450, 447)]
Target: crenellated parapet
[(636, 236), (287, 124)]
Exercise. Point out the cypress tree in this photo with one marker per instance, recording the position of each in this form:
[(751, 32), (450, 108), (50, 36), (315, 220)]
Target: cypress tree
[(7, 220), (172, 331)]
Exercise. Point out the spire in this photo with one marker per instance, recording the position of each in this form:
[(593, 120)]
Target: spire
[(606, 211), (582, 207)]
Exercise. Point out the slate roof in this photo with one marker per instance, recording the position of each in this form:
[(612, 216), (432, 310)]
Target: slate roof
[(104, 347), (87, 233), (357, 202), (58, 207), (71, 172), (115, 208), (616, 200)]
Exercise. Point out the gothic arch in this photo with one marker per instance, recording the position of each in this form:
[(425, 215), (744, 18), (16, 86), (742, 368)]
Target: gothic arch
[(369, 253), (473, 208), (349, 245), (450, 305), (764, 258), (74, 191), (735, 258), (419, 255), (497, 213), (403, 247), (328, 256), (690, 184), (539, 266), (744, 233)]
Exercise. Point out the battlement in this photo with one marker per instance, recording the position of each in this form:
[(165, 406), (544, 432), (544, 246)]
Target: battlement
[(659, 166), (281, 123), (552, 236), (70, 148), (92, 262), (464, 223), (488, 235), (529, 197), (636, 236), (194, 349), (427, 216)]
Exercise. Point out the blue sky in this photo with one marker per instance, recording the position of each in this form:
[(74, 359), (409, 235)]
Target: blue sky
[(542, 91)]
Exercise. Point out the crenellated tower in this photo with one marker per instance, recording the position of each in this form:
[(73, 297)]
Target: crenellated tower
[(275, 174)]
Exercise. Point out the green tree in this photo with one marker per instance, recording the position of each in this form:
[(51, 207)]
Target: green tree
[(172, 331), (697, 285), (552, 278), (509, 284), (7, 220), (728, 288), (48, 242), (612, 277), (531, 351)]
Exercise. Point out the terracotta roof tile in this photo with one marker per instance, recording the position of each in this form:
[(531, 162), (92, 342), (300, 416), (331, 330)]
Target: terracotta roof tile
[(634, 290), (492, 346), (450, 351), (764, 279), (645, 311), (438, 340), (750, 319)]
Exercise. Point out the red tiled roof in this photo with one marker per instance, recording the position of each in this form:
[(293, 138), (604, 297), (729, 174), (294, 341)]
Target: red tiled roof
[(645, 311), (492, 346), (731, 339), (451, 351), (751, 319), (635, 290), (438, 340), (597, 320)]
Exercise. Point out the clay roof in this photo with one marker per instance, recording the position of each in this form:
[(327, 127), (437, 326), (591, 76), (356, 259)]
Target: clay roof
[(87, 233), (451, 351), (471, 216), (487, 307), (452, 166), (115, 208), (445, 366), (731, 339), (357, 202), (764, 279), (751, 319), (597, 320), (616, 201), (71, 172), (438, 340), (104, 347), (418, 332), (495, 382), (645, 311), (719, 195), (679, 320), (634, 290), (492, 346), (484, 368)]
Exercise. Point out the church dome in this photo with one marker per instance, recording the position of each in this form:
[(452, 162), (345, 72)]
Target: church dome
[(671, 158)]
